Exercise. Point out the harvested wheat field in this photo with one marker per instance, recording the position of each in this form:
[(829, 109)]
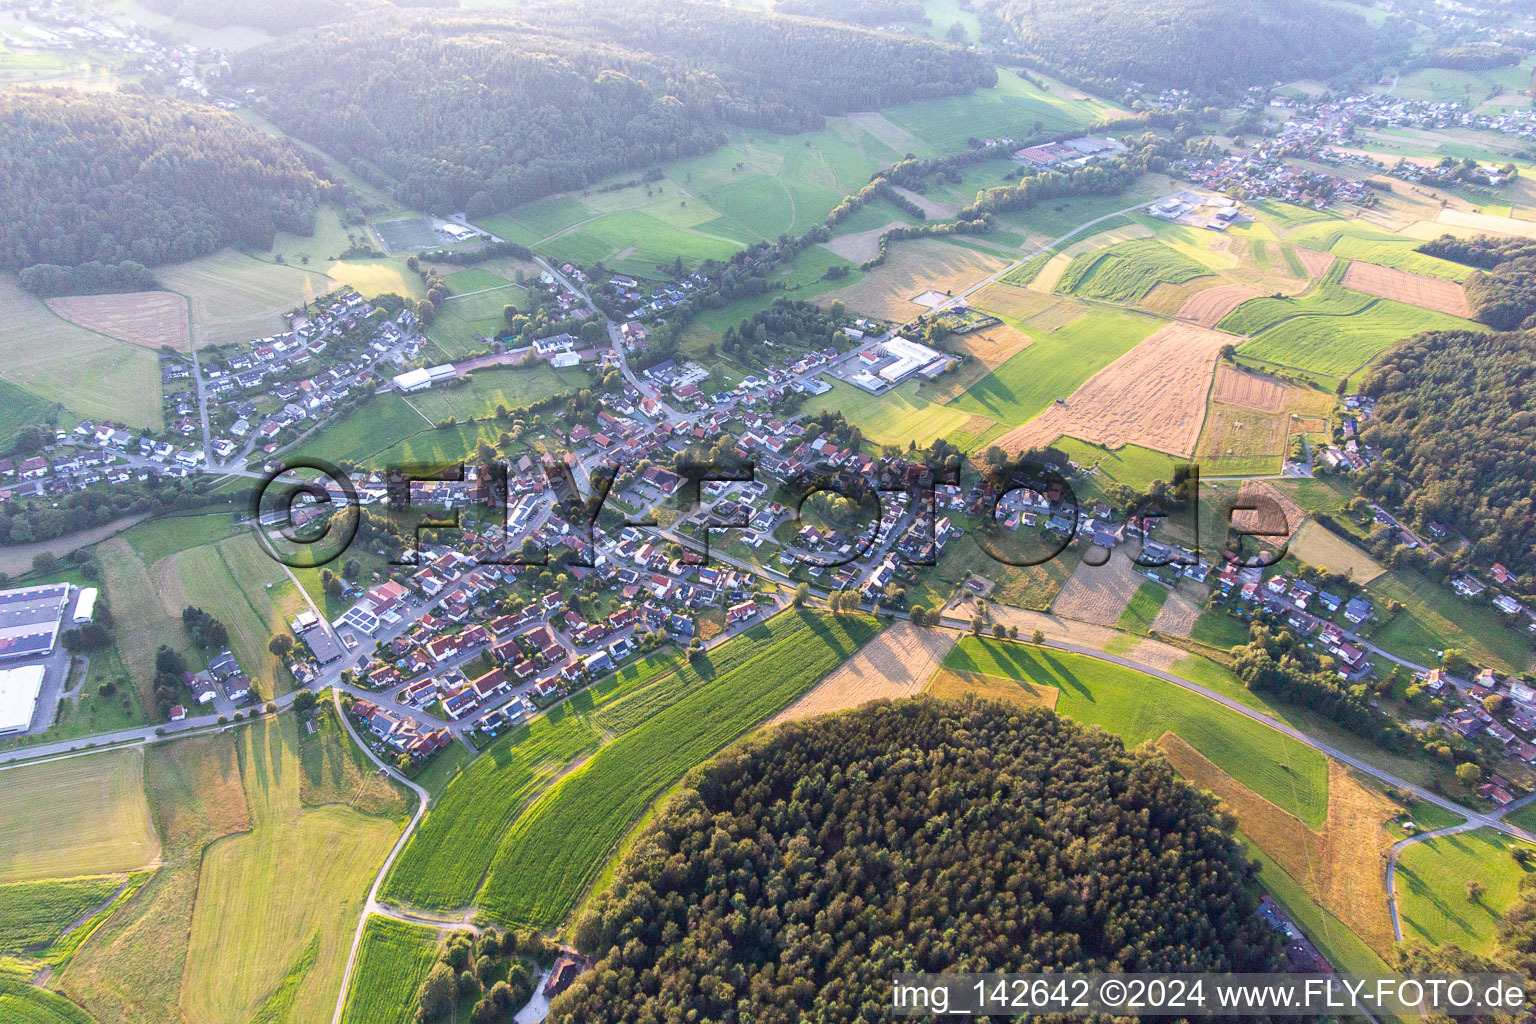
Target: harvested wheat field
[(1415, 289), (1153, 396), (1341, 867), (949, 683), (1237, 432), (1050, 274), (1167, 298), (1099, 593), (991, 347), (150, 319), (1487, 222), (1177, 615), (1317, 263), (1238, 387), (897, 663), (1058, 315), (1012, 301), (912, 267), (1209, 305)]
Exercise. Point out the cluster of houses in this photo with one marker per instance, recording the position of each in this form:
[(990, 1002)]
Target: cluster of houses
[(91, 454), (94, 31), (1513, 734), (1263, 173), (223, 676), (1332, 619)]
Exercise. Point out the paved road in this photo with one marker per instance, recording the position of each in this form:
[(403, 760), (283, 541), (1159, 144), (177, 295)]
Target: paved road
[(1398, 847), (423, 798)]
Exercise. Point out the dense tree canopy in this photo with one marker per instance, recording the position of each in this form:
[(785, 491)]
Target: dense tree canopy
[(795, 877), (481, 111), (1211, 47), (119, 177), (1455, 418), (1502, 293)]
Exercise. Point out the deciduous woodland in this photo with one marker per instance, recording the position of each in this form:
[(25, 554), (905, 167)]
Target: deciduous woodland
[(1114, 43), (801, 873), (479, 112), (115, 177), (1455, 419)]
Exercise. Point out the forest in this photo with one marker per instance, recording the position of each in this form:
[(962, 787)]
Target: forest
[(872, 13), (1502, 293), (1454, 419), (794, 877), (125, 178), (1212, 49), (481, 111)]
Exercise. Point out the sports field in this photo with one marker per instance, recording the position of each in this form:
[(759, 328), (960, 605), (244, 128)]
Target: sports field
[(406, 233), (79, 816), (1137, 707), (91, 375)]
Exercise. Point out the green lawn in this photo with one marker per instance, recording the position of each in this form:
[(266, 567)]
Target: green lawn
[(1432, 877), (1129, 464), (897, 417), (1435, 618), (155, 539), (560, 845), (1143, 607), (391, 964), (1011, 108), (493, 387), (1137, 708), (20, 409), (1335, 345), (1054, 365)]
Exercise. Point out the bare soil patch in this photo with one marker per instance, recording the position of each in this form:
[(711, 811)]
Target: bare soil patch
[(1341, 867), (1283, 515), (148, 319), (1208, 306), (1153, 396), (860, 245), (897, 663), (1414, 289), (1317, 263)]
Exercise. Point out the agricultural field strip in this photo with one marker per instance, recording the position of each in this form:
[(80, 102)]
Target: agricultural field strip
[(538, 877)]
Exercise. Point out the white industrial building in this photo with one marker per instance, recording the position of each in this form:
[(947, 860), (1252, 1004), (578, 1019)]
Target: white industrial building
[(19, 689), (420, 380), (895, 360)]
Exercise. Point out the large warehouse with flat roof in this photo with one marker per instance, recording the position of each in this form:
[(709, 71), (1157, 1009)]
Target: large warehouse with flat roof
[(19, 688), (29, 620)]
